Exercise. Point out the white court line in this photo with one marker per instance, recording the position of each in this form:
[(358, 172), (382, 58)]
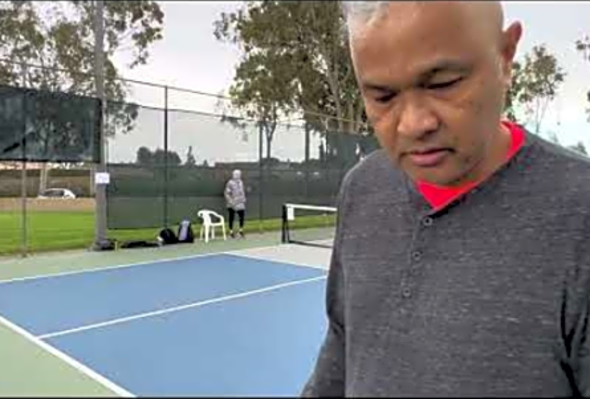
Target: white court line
[(107, 268), (67, 359), (281, 262), (177, 308)]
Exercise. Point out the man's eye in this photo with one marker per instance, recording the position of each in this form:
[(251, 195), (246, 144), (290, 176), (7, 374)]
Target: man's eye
[(385, 98), (443, 85)]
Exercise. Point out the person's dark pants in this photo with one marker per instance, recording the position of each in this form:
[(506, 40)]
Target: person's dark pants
[(232, 216)]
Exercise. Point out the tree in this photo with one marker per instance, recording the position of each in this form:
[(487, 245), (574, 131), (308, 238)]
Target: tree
[(583, 46), (535, 83), (260, 89), (514, 92), (190, 158), (159, 157), (295, 61), (59, 38), (144, 156)]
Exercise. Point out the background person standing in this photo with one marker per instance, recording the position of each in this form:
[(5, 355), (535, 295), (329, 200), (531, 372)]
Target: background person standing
[(235, 198)]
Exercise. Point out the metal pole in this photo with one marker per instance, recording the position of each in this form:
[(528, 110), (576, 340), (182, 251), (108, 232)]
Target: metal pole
[(23, 179), (101, 211), (260, 178), (306, 167), (165, 156)]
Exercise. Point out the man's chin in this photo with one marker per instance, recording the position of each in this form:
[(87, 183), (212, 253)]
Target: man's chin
[(438, 178)]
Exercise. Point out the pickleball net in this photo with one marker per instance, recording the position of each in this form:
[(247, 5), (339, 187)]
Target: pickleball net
[(306, 224)]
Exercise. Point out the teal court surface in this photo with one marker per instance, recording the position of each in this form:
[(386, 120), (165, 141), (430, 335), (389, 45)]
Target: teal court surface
[(235, 318)]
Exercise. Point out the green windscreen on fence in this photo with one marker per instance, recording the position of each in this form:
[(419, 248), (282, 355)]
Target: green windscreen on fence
[(135, 195), (49, 126), (169, 164)]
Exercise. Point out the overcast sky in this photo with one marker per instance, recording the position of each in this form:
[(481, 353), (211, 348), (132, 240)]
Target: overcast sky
[(189, 56)]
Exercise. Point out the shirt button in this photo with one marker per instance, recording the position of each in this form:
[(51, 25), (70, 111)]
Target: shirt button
[(416, 255), (427, 221), (406, 292)]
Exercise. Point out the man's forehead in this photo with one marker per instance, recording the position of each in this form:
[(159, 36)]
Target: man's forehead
[(425, 29), (411, 40), (401, 15)]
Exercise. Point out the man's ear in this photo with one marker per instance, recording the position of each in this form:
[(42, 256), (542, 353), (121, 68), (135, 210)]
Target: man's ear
[(510, 39)]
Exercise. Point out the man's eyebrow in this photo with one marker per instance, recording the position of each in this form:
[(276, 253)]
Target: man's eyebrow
[(379, 87), (427, 72), (444, 65)]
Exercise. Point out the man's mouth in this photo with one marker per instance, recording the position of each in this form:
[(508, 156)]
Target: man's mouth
[(429, 157)]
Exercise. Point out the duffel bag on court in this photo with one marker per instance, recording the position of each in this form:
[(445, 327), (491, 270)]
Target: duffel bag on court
[(185, 232)]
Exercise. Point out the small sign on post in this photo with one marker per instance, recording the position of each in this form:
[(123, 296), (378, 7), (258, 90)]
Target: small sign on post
[(290, 213), (102, 178)]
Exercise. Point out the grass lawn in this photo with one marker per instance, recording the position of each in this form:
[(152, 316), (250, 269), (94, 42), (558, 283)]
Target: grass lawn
[(52, 231)]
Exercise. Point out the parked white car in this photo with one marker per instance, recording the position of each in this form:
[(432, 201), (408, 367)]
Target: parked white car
[(56, 193)]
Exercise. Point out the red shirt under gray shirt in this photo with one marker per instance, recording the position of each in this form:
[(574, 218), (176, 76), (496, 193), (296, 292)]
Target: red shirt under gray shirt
[(487, 295)]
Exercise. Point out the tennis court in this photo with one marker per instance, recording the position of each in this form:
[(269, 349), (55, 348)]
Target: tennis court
[(244, 318)]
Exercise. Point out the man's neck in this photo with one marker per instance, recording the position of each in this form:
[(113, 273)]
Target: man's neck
[(497, 149), (440, 196)]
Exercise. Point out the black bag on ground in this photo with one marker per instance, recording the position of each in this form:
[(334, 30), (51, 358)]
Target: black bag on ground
[(185, 232), (139, 244), (167, 236)]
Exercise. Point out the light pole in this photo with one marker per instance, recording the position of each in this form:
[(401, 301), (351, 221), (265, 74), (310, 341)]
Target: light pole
[(100, 195)]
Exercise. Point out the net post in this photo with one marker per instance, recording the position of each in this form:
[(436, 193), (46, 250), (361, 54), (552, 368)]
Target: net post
[(166, 156), (284, 226), (318, 238)]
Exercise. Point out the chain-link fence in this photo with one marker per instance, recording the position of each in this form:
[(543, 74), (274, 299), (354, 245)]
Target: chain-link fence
[(171, 162), (169, 153)]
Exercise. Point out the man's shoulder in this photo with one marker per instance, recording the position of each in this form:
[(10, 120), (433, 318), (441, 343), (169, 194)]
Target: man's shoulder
[(373, 174), (560, 166), (558, 152), (558, 172)]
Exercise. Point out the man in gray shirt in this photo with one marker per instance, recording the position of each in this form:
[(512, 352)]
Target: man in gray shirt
[(461, 264)]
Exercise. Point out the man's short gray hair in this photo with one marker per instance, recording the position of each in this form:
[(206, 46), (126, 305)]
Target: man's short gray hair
[(360, 13)]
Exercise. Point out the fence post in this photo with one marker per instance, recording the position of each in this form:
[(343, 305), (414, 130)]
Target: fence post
[(100, 189), (307, 167), (23, 193), (260, 177), (24, 248)]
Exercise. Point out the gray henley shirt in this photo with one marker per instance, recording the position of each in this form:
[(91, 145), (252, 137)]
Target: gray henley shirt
[(487, 297)]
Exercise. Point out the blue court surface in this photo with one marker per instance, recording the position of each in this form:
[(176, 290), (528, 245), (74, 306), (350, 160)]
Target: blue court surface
[(217, 325)]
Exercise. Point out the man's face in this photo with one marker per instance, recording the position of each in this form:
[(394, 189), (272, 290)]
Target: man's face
[(433, 88)]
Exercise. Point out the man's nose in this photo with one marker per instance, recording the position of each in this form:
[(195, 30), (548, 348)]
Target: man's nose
[(416, 117)]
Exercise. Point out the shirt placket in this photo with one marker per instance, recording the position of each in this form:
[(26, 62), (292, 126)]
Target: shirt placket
[(414, 269)]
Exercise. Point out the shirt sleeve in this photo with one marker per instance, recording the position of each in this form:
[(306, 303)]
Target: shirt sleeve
[(328, 377), (582, 365), (575, 319)]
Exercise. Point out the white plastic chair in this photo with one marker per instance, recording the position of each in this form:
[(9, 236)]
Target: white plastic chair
[(209, 224)]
